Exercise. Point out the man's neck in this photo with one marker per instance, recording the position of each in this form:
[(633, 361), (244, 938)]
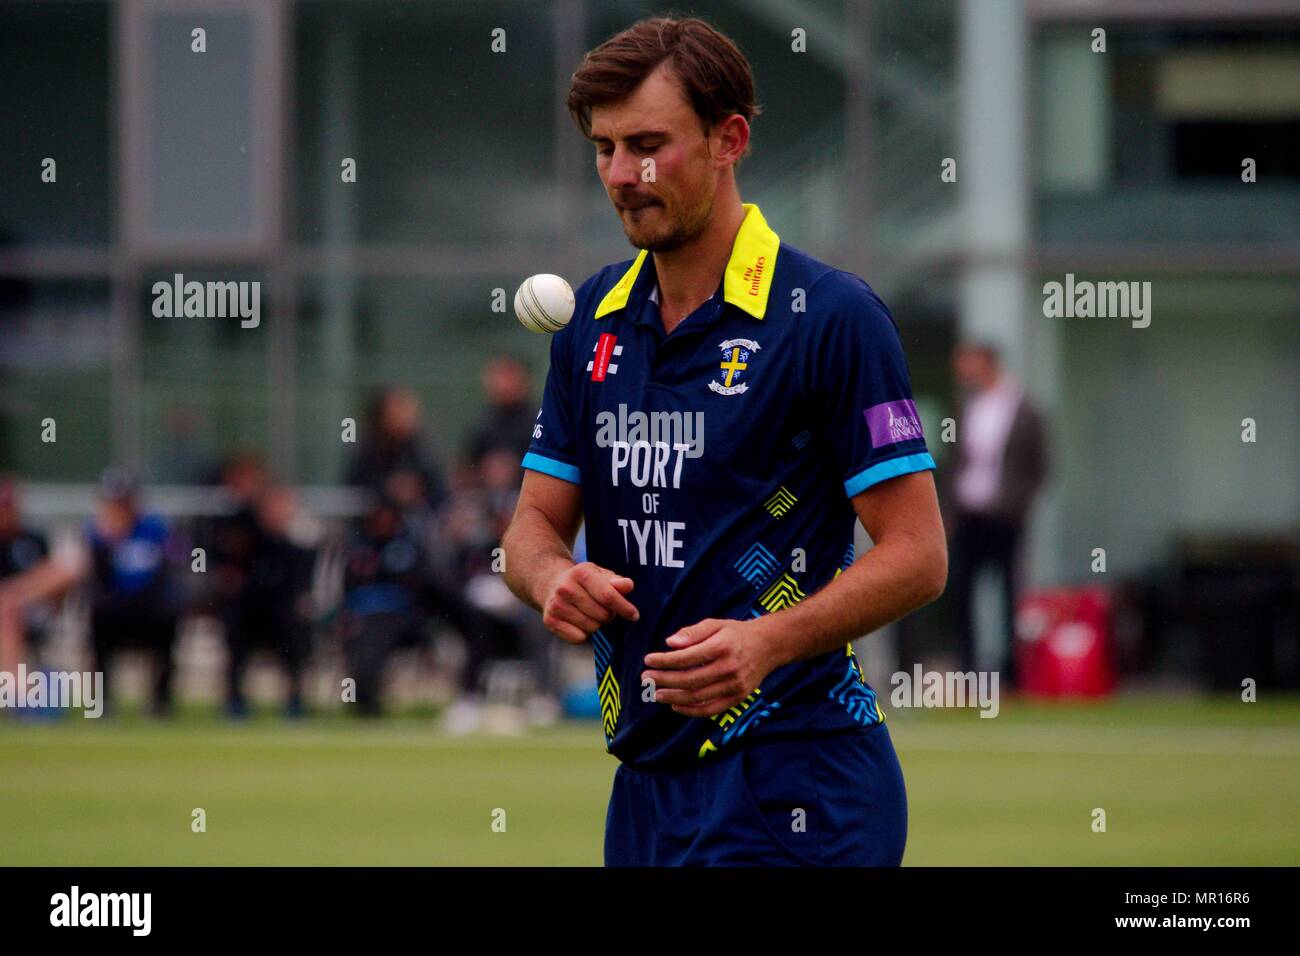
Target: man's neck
[(689, 275)]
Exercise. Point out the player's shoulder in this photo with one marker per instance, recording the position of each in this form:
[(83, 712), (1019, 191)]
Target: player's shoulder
[(598, 285), (587, 297), (835, 296), (799, 268)]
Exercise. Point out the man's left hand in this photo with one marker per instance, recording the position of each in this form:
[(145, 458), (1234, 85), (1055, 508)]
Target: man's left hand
[(711, 666)]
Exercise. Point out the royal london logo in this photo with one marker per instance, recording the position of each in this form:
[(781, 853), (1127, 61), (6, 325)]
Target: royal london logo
[(736, 354), (893, 422)]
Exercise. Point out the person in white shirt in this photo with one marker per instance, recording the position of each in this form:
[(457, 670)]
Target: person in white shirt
[(1001, 463)]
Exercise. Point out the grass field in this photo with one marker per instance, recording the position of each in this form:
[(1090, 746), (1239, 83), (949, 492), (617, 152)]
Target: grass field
[(1206, 781)]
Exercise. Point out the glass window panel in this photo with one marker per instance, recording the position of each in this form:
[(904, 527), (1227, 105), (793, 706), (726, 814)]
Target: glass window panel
[(203, 380), (1153, 417), (201, 115), (1172, 111), (54, 73), (453, 142), (55, 362)]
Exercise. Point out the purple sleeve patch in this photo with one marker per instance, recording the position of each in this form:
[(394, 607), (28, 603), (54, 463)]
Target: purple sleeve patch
[(893, 422)]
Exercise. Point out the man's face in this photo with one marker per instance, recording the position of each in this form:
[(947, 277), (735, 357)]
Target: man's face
[(401, 413), (973, 369), (505, 382), (277, 509), (114, 518), (657, 122)]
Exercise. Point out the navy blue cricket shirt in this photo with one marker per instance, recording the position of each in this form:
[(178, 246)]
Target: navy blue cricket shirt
[(716, 465)]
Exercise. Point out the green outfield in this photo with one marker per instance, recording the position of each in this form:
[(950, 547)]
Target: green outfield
[(1182, 781)]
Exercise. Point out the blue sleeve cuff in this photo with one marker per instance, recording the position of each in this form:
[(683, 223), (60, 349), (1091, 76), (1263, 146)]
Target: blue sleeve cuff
[(882, 471), (549, 466)]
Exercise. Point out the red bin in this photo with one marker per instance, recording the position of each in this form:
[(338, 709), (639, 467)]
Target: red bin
[(1064, 643)]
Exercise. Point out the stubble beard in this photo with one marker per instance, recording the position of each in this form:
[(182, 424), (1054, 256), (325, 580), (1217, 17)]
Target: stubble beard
[(681, 231)]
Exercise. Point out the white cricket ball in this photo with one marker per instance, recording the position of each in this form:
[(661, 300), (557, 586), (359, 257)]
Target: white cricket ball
[(544, 303)]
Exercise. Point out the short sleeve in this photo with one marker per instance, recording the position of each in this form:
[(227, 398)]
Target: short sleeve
[(856, 376), (553, 450)]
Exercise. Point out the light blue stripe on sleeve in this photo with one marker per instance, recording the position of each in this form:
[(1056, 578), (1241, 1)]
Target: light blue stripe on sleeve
[(887, 469), (549, 466)]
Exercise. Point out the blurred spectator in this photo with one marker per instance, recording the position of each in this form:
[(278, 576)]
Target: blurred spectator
[(181, 457), (126, 556), (472, 590), (1000, 465), (233, 538), (392, 460), (511, 412), (21, 550), (135, 599), (383, 580), (271, 607)]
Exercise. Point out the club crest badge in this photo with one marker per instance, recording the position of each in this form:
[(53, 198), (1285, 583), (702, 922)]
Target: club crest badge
[(733, 372)]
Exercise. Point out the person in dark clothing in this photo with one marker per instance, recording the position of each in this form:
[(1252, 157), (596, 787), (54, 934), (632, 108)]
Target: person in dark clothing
[(20, 548), (1001, 463), (392, 460), (233, 539), (135, 599), (511, 414), (272, 609), (472, 594), (383, 588)]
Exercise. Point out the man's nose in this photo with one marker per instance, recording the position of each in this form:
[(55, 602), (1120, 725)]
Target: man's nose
[(624, 170)]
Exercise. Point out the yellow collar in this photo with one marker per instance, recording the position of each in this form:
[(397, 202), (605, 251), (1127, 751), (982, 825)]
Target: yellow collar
[(747, 282)]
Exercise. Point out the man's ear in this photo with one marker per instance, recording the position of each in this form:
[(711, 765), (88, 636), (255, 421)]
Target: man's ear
[(733, 137)]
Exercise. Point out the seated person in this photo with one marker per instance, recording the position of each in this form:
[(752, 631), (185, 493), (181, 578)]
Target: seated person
[(135, 600), (272, 607), (382, 590)]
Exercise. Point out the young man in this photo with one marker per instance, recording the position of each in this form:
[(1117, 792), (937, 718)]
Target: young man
[(718, 410)]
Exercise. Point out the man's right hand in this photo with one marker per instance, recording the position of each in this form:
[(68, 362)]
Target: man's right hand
[(583, 598)]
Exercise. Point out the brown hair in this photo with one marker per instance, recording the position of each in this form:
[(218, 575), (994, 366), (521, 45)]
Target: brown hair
[(711, 68)]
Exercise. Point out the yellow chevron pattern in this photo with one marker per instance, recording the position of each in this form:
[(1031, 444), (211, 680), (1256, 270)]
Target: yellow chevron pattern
[(784, 592), (610, 703), (780, 502), (857, 666)]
